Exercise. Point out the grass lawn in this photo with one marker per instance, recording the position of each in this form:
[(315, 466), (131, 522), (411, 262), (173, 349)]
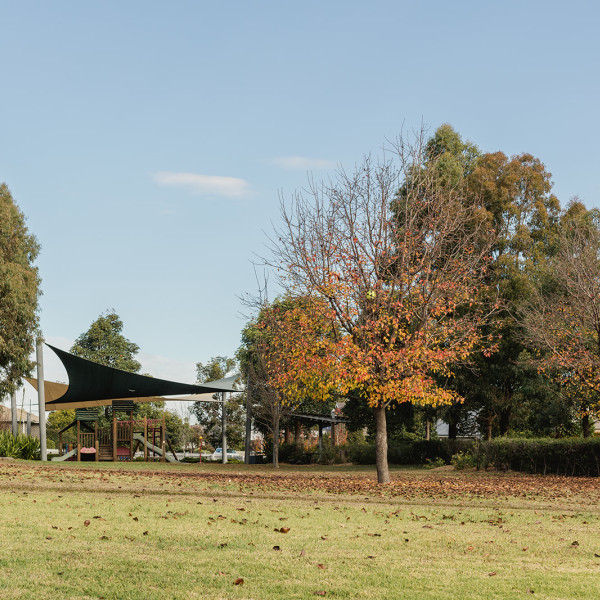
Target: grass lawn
[(144, 531)]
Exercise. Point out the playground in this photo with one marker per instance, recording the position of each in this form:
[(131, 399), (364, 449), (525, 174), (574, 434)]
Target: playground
[(93, 388), (121, 440), (142, 530)]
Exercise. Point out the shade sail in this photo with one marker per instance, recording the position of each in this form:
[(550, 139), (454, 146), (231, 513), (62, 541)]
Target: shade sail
[(53, 392), (91, 384)]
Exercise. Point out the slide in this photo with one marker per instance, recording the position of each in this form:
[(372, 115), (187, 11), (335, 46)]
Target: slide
[(67, 455), (140, 438)]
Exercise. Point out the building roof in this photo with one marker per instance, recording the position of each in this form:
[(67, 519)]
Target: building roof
[(6, 415)]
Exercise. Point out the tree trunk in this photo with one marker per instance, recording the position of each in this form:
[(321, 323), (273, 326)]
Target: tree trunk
[(586, 426), (276, 441), (452, 430), (504, 423), (381, 445), (297, 432), (488, 434), (288, 434), (427, 430)]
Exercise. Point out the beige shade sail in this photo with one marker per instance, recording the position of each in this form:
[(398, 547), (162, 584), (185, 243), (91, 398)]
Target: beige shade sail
[(54, 391)]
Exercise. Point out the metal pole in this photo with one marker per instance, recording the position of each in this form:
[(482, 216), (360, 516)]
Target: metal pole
[(41, 399), (320, 438), (248, 423), (13, 408), (224, 429)]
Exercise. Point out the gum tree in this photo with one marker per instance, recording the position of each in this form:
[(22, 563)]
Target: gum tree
[(19, 293), (105, 344)]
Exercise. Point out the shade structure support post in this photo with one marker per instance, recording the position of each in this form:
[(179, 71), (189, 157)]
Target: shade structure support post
[(96, 441), (114, 435), (13, 411), (163, 437), (28, 424), (248, 424), (78, 440), (320, 439), (146, 439), (41, 399), (224, 428), (130, 436)]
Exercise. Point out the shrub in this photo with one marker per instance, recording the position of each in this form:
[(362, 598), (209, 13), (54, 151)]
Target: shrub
[(419, 452), (292, 453), (433, 464), (22, 446), (567, 456), (463, 460)]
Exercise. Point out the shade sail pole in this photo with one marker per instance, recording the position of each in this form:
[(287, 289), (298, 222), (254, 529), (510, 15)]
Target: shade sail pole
[(41, 399), (224, 429), (13, 410), (248, 423)]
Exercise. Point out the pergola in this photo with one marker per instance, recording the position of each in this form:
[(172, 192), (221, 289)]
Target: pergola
[(321, 421)]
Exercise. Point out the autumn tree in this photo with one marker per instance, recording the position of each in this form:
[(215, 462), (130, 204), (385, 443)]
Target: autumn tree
[(562, 318), (401, 277), (19, 293), (105, 344), (282, 333)]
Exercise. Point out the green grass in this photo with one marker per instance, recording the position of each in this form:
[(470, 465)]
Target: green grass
[(189, 531)]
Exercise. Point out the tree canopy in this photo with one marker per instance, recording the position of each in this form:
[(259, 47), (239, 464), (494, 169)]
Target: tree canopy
[(105, 344), (19, 293)]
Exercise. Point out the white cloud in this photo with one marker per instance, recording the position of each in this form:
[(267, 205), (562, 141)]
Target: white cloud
[(205, 184), (302, 163)]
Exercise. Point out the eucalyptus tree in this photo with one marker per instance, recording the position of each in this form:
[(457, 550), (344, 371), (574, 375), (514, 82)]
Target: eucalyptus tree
[(19, 293)]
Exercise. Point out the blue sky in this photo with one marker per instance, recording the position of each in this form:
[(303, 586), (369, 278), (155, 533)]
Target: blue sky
[(148, 142)]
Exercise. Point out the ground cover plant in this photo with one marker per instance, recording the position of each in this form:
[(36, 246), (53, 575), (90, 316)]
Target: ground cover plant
[(248, 532)]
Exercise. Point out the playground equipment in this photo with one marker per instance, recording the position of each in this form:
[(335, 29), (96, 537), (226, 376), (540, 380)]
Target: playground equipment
[(92, 386), (121, 440)]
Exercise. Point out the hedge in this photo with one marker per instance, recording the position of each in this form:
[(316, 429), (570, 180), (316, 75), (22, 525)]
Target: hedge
[(411, 452), (566, 456)]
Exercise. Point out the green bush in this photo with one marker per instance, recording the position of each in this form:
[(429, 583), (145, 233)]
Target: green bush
[(463, 460), (292, 453), (22, 446), (566, 456), (418, 452), (434, 464)]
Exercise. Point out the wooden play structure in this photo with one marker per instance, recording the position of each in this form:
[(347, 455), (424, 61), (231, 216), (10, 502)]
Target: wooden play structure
[(121, 440)]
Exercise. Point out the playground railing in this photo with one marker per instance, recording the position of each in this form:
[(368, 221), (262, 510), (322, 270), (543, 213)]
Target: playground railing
[(87, 440), (123, 430), (104, 436), (150, 422)]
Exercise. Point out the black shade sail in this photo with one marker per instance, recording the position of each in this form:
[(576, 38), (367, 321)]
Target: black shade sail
[(91, 382)]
